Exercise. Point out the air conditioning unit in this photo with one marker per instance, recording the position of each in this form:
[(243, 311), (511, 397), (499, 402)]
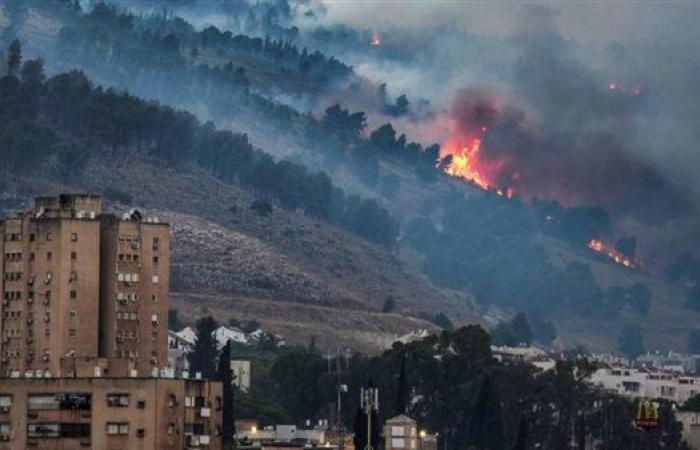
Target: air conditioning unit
[(204, 412), (192, 440), (204, 439)]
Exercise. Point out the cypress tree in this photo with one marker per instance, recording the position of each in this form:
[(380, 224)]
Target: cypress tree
[(224, 374), (203, 356), (401, 389)]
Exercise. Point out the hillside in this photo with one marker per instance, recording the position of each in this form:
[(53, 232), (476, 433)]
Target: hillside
[(499, 254), (244, 265)]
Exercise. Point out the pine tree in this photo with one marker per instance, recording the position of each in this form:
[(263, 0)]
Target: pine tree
[(14, 56), (203, 356), (224, 374)]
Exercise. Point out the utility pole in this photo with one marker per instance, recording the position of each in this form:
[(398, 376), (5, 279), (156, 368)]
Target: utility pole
[(369, 402), (342, 388)]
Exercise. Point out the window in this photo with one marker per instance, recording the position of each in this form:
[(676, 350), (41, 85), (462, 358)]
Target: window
[(140, 432), (5, 401), (154, 298), (73, 255), (398, 443), (31, 256), (141, 404), (48, 256), (117, 399), (73, 294), (71, 332), (49, 237), (155, 260), (73, 313), (171, 427), (5, 427), (114, 428), (32, 237), (74, 237), (172, 400), (155, 279), (73, 276), (43, 430), (67, 401), (156, 243), (48, 277), (397, 431)]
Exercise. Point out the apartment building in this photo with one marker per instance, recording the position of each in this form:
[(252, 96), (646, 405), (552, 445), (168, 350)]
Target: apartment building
[(109, 413), (643, 383), (84, 348), (80, 283)]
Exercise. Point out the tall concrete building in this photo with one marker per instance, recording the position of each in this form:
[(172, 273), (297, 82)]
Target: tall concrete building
[(80, 283), (84, 358)]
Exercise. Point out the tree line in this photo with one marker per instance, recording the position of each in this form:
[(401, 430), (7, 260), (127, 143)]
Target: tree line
[(454, 387), (68, 117)]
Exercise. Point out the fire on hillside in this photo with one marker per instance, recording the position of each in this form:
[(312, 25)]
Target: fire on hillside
[(600, 247)]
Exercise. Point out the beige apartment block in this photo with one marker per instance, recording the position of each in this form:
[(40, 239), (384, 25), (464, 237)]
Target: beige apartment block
[(83, 329)]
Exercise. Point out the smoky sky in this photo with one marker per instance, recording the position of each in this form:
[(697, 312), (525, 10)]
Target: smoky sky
[(597, 102), (594, 103)]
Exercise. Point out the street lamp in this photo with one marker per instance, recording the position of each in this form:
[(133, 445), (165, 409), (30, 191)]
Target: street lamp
[(421, 437)]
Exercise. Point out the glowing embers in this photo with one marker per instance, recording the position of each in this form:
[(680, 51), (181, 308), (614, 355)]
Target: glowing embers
[(600, 247)]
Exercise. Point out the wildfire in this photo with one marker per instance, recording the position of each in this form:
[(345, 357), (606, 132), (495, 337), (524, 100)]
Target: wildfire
[(469, 162), (602, 248)]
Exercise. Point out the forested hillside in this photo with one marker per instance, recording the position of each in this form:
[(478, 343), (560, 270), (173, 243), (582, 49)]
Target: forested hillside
[(507, 255)]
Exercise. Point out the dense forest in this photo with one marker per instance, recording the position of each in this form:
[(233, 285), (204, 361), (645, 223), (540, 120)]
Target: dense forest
[(451, 384), (69, 118)]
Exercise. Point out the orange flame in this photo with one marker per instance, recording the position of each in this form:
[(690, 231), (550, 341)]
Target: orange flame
[(468, 162), (602, 248)]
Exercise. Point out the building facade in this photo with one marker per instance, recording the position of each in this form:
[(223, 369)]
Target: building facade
[(643, 383), (109, 413), (84, 335)]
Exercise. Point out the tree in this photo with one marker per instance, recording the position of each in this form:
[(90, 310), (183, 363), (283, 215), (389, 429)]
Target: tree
[(440, 319), (486, 425), (174, 322), (630, 341), (203, 356), (521, 329), (693, 343), (389, 305), (296, 376), (224, 373), (33, 70), (401, 389), (14, 56)]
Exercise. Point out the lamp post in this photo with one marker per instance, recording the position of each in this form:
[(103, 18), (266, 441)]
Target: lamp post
[(421, 437)]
